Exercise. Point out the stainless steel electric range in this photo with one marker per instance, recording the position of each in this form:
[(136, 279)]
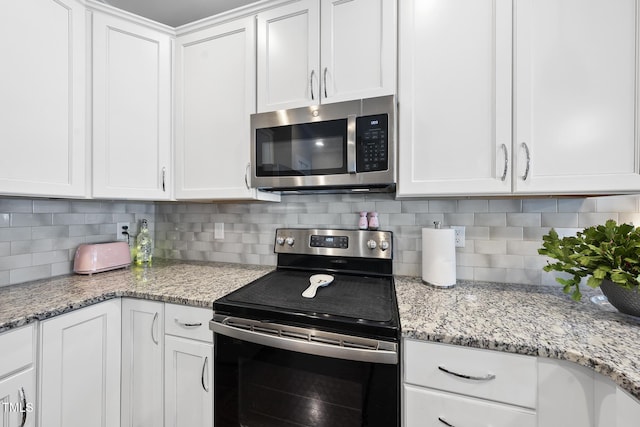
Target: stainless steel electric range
[(316, 341)]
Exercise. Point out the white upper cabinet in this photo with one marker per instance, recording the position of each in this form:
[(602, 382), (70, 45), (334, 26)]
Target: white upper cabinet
[(574, 112), (131, 110), (321, 51), (576, 96), (357, 49), (289, 56), (215, 95), (454, 95), (42, 98)]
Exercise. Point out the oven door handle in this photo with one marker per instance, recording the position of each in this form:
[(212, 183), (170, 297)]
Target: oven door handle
[(308, 341)]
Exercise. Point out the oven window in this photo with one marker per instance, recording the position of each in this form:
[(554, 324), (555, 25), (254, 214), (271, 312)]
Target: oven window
[(258, 386), (318, 148)]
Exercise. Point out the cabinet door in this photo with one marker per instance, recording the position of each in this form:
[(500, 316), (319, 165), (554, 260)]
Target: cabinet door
[(188, 383), (558, 380), (358, 49), (214, 100), (17, 399), (131, 110), (454, 94), (576, 96), (288, 56), (142, 367), (42, 98), (79, 379), (429, 408)]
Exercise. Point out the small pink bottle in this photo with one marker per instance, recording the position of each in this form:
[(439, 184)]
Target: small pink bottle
[(373, 221), (362, 223)]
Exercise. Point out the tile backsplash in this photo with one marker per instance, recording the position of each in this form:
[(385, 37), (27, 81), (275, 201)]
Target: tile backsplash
[(38, 237), (502, 235)]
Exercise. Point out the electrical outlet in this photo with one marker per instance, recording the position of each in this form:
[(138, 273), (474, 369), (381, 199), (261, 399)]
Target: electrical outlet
[(122, 230), (218, 230), (459, 235)]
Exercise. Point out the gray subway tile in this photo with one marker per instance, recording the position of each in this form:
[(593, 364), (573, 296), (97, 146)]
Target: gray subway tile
[(24, 220), (27, 274)]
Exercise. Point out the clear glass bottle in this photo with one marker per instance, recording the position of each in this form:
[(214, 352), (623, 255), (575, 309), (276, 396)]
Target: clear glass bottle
[(144, 244)]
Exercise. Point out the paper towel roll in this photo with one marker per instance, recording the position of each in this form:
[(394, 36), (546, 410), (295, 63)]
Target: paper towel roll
[(439, 257)]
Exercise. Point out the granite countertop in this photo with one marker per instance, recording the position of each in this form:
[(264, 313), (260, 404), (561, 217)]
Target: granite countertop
[(525, 319), (531, 320), (191, 283)]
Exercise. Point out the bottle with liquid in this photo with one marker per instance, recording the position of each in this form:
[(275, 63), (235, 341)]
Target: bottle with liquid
[(144, 244)]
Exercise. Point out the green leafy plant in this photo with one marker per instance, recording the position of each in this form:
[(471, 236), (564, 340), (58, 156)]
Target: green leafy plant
[(610, 251)]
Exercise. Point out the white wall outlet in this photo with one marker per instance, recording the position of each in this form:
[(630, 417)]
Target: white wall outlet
[(218, 230), (459, 235), (121, 229)]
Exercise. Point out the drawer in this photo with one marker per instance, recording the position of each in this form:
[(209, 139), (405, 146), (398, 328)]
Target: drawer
[(492, 375), (426, 408), (17, 349), (188, 322)]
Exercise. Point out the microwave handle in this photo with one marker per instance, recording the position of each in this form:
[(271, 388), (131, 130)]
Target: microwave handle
[(351, 143)]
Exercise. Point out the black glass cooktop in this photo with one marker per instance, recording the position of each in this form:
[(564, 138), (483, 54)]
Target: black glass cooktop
[(351, 303)]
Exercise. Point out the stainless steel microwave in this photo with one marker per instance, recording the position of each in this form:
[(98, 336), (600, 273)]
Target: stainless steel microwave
[(340, 147)]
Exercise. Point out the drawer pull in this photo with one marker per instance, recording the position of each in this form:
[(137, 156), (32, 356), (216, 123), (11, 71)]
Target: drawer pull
[(445, 422), (487, 377), (187, 325)]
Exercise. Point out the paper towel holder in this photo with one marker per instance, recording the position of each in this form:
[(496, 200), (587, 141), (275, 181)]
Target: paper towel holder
[(435, 280)]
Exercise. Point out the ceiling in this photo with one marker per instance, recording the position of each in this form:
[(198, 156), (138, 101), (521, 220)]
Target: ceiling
[(176, 12)]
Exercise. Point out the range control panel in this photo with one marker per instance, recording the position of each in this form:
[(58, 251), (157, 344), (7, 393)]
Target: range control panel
[(332, 242)]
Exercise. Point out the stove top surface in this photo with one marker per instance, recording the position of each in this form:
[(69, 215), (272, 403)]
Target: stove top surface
[(351, 303)]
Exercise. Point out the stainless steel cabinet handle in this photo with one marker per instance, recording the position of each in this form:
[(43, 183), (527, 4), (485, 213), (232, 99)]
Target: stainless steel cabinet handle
[(506, 162), (204, 366), (246, 173), (526, 171), (487, 377), (325, 81), (23, 401), (443, 421), (164, 175), (153, 322), (188, 325), (313, 73)]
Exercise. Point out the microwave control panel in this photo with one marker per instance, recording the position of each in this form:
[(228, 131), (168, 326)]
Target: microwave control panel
[(372, 143)]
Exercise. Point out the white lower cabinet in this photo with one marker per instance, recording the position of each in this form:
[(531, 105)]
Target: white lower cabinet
[(18, 377), (188, 367), (189, 382), (492, 388), (458, 386), (79, 368), (167, 365), (142, 363), (428, 408)]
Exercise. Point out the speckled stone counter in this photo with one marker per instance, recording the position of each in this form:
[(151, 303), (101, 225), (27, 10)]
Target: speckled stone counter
[(531, 320), (189, 283)]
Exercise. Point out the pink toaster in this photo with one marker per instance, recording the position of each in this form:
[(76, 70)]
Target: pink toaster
[(97, 257)]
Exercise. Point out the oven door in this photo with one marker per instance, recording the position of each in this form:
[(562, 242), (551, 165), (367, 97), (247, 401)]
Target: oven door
[(267, 379)]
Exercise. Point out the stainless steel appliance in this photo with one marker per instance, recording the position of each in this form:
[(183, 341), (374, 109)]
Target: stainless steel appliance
[(345, 146), (287, 359)]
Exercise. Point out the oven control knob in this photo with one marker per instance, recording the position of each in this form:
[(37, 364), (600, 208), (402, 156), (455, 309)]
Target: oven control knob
[(371, 244), (280, 240), (290, 241), (384, 245)]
